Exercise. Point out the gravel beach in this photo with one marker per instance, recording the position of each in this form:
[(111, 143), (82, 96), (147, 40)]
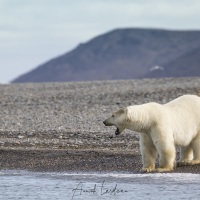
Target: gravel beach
[(58, 126)]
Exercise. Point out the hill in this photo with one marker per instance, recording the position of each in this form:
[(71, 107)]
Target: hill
[(124, 54)]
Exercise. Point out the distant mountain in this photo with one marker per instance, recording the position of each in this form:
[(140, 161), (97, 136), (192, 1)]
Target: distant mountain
[(124, 54)]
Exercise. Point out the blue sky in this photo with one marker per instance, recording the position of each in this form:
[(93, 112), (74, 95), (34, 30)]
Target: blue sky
[(34, 31)]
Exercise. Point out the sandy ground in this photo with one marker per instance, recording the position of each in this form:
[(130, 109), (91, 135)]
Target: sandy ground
[(58, 126)]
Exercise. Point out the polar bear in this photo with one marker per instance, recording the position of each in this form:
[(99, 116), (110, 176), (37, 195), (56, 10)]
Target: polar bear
[(162, 127)]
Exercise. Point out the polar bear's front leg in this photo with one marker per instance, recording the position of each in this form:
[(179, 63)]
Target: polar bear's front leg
[(167, 159), (165, 146), (149, 153), (167, 156)]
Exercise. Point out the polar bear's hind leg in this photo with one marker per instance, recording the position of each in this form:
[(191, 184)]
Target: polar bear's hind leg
[(186, 156), (191, 154)]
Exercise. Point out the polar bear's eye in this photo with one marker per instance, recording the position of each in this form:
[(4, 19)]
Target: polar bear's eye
[(112, 116)]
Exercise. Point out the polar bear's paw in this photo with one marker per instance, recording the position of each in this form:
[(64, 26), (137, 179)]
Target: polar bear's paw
[(147, 169), (167, 169), (183, 163), (187, 162)]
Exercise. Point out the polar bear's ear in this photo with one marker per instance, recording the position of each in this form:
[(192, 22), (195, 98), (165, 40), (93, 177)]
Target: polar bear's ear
[(125, 110), (122, 111)]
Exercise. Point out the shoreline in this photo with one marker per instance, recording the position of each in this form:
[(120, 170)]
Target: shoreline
[(58, 126), (69, 161)]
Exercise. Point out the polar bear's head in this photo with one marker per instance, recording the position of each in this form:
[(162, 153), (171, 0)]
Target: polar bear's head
[(118, 119)]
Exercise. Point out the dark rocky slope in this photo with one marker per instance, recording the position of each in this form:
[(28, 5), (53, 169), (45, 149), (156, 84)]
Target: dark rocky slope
[(124, 54)]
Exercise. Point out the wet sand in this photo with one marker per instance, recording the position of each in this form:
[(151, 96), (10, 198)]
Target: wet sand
[(58, 126), (75, 160)]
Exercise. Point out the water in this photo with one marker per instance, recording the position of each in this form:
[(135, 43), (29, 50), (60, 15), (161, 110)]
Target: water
[(112, 186)]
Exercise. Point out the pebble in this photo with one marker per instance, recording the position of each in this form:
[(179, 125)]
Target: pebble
[(70, 115)]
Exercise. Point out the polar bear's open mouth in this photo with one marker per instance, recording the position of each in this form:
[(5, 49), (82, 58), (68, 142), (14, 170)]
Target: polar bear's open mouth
[(117, 132)]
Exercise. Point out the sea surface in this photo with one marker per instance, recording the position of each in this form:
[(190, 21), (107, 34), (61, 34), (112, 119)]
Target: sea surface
[(97, 186)]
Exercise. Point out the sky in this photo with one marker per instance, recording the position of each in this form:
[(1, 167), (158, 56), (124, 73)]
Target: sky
[(35, 31)]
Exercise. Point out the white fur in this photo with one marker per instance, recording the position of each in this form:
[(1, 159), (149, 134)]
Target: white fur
[(162, 128)]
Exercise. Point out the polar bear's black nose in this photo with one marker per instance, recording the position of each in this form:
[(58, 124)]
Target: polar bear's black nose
[(106, 123)]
